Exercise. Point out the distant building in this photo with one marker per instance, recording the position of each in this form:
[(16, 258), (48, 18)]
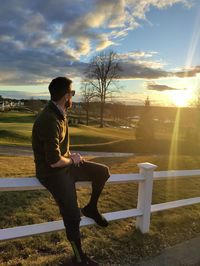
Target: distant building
[(6, 105), (78, 106)]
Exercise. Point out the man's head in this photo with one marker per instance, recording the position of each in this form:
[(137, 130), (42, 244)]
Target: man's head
[(60, 88)]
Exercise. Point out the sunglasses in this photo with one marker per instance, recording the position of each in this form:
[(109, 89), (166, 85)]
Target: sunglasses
[(72, 93)]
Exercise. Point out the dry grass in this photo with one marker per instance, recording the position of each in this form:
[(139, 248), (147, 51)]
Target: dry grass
[(120, 243)]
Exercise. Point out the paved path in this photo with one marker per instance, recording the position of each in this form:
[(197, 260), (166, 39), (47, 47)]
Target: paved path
[(184, 254), (27, 151), (16, 150)]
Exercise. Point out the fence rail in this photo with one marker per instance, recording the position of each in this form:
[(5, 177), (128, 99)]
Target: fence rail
[(145, 178), (32, 183)]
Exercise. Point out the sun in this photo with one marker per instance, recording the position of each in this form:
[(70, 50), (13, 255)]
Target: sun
[(181, 98)]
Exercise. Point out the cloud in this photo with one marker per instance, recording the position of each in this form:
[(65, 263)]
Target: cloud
[(188, 72), (103, 43), (135, 65), (134, 71), (82, 46), (140, 8), (158, 87), (43, 39), (136, 54)]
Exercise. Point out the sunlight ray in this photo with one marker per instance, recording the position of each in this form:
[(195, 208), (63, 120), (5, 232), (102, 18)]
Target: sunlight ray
[(194, 42), (174, 143), (173, 156)]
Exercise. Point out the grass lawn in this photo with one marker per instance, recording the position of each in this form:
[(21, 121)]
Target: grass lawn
[(118, 244), (15, 129)]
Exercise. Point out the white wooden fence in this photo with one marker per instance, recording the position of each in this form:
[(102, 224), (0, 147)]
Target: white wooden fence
[(142, 213)]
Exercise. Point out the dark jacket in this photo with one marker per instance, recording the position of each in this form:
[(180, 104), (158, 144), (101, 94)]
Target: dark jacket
[(50, 140)]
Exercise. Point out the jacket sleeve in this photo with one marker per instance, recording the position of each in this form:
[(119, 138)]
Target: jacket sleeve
[(50, 138)]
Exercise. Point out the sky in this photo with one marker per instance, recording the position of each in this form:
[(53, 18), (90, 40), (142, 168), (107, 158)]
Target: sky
[(157, 42)]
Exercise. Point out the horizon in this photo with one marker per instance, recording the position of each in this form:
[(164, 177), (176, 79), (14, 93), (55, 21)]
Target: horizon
[(157, 45), (126, 103)]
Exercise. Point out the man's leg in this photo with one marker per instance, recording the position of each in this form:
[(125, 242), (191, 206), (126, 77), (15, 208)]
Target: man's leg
[(62, 188), (98, 174)]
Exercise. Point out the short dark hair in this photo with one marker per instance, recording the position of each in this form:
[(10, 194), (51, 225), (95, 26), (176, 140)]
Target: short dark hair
[(58, 87)]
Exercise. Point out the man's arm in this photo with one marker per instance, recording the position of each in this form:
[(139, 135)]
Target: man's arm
[(62, 162), (49, 134), (75, 158)]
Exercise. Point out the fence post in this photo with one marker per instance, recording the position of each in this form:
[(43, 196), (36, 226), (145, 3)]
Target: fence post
[(145, 196)]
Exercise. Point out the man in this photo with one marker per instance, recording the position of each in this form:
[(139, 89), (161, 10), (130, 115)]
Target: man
[(58, 169)]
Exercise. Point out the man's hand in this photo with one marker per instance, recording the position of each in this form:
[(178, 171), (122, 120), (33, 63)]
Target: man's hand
[(74, 158), (77, 159)]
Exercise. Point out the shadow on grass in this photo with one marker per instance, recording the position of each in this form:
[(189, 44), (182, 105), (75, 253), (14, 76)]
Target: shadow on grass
[(82, 139), (123, 244), (141, 146), (7, 134), (24, 207), (19, 118)]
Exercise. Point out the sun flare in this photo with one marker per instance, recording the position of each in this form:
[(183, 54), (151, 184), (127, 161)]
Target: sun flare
[(181, 98)]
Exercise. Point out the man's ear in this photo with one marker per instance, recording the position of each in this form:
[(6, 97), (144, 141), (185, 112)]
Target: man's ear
[(66, 96)]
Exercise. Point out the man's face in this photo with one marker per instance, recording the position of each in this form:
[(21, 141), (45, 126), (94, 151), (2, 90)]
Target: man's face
[(69, 97)]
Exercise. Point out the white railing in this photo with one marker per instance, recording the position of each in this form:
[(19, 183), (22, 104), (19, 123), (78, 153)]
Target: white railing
[(142, 213)]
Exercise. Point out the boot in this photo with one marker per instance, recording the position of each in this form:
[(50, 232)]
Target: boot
[(95, 215)]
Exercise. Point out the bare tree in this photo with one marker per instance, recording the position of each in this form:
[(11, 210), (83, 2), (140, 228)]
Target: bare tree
[(87, 92), (102, 74)]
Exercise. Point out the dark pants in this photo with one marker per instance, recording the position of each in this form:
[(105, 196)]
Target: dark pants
[(62, 187)]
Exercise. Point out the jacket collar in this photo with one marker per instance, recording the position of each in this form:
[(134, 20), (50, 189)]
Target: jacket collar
[(56, 110)]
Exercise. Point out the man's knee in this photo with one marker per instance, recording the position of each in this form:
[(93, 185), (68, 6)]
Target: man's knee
[(102, 176), (106, 172)]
